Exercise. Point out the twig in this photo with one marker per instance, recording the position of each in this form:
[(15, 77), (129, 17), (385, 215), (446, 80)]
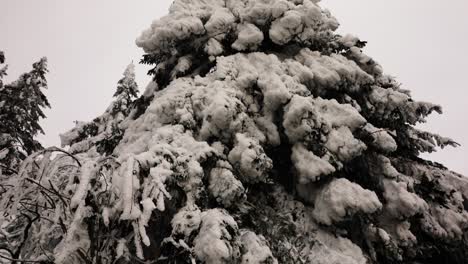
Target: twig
[(21, 260), (61, 197), (8, 168), (58, 194), (40, 185), (45, 253), (25, 233)]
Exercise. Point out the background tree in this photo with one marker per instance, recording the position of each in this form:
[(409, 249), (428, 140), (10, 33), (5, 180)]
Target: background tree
[(265, 137), (3, 69), (22, 107), (127, 91)]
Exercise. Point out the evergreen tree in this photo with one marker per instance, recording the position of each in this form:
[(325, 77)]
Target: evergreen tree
[(127, 91), (105, 131), (265, 137), (22, 107), (3, 69), (4, 138)]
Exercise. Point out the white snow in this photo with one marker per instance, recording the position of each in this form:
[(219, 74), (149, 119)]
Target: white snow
[(129, 185), (186, 221), (212, 245), (80, 193), (257, 250), (382, 139), (249, 158), (225, 187), (445, 223), (213, 47), (342, 143), (303, 115), (399, 202), (220, 21), (283, 29), (309, 167), (249, 37), (341, 199), (330, 249)]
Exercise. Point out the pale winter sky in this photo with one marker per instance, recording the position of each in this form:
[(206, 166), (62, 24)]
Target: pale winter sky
[(89, 43)]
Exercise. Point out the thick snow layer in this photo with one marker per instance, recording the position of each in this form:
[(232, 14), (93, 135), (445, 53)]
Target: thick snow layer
[(381, 138), (129, 184), (300, 118), (221, 21), (256, 249), (341, 199), (404, 234), (214, 244), (342, 143), (306, 118), (301, 21), (332, 249), (400, 203), (309, 167), (387, 168), (213, 47), (85, 176), (225, 187), (249, 159), (331, 72), (285, 28), (186, 221), (248, 38), (445, 223)]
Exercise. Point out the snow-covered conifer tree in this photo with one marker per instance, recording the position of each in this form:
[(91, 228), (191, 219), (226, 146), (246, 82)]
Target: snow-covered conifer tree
[(22, 103), (127, 90), (105, 131), (264, 137), (4, 138)]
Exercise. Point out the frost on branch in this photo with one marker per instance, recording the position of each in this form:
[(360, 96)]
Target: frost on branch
[(263, 137)]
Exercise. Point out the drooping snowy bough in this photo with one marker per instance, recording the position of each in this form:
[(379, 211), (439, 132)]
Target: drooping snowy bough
[(265, 137)]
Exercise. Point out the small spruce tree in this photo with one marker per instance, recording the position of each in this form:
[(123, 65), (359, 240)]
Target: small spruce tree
[(105, 131), (126, 93)]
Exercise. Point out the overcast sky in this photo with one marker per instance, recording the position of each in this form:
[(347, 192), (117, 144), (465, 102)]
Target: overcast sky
[(89, 43)]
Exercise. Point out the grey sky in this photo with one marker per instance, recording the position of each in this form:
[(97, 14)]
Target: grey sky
[(89, 43)]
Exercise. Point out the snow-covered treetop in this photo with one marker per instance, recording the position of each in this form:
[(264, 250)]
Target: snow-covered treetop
[(127, 86), (209, 22), (197, 29)]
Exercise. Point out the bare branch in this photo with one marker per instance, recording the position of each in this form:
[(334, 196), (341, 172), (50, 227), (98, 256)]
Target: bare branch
[(21, 260), (8, 168)]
